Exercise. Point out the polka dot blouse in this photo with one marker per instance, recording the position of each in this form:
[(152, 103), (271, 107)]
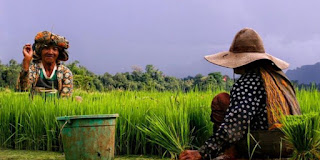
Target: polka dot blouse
[(247, 108)]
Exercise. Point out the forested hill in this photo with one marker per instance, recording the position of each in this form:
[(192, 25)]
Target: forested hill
[(305, 74), (149, 78)]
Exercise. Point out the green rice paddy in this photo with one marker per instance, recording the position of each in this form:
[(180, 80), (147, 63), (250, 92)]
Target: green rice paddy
[(29, 123)]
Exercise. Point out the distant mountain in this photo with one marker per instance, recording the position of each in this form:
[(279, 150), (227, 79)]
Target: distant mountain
[(305, 74)]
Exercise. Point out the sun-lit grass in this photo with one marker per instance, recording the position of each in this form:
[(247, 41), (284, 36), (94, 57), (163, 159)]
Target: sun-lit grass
[(309, 100), (303, 134), (30, 124), (171, 133)]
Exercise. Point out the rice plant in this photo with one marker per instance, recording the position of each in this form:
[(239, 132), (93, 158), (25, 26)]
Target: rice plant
[(249, 137), (27, 123), (302, 133), (167, 135)]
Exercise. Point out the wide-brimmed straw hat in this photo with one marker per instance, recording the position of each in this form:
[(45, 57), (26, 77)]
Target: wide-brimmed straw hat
[(247, 47), (47, 38)]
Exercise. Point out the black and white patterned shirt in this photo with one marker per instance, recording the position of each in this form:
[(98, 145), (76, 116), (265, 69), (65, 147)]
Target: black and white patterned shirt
[(247, 108)]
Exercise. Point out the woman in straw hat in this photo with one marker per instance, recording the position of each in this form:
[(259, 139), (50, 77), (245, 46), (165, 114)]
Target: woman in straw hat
[(257, 99), (42, 71)]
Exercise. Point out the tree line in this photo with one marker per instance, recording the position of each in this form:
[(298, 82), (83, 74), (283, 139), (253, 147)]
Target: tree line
[(149, 78)]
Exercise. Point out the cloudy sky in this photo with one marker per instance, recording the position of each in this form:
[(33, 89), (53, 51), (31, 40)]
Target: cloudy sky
[(173, 35)]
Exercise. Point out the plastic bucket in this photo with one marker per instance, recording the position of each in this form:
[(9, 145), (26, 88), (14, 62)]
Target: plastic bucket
[(88, 136)]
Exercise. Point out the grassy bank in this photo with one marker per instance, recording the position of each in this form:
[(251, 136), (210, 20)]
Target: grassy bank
[(40, 155)]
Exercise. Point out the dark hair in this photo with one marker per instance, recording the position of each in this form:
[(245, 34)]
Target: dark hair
[(254, 66)]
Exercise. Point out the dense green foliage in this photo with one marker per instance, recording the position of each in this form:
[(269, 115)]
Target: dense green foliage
[(139, 79), (303, 133), (31, 124), (174, 134), (143, 99), (9, 74)]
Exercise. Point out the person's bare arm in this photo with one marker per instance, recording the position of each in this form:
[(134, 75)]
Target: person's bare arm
[(190, 155), (27, 56), (24, 78)]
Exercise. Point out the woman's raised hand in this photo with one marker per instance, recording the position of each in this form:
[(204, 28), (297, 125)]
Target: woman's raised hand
[(27, 51), (27, 54)]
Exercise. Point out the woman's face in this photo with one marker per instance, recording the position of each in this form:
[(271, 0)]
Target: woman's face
[(49, 54)]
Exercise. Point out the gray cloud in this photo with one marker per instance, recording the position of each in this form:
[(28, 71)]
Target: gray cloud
[(295, 52), (112, 36)]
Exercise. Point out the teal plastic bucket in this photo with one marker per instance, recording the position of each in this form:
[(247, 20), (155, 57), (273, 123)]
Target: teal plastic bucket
[(88, 137)]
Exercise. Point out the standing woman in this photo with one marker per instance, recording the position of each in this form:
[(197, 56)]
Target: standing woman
[(42, 71), (257, 99)]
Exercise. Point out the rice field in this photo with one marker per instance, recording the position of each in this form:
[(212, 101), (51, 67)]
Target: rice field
[(30, 124)]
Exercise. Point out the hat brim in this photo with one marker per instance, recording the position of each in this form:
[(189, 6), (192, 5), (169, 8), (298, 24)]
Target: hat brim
[(235, 60)]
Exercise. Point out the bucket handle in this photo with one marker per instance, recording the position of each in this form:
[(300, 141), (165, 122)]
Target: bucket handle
[(67, 121)]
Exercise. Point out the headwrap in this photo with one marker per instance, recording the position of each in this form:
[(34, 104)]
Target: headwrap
[(281, 98), (47, 38)]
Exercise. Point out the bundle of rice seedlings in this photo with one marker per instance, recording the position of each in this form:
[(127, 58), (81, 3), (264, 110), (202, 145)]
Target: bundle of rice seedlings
[(174, 138), (302, 132)]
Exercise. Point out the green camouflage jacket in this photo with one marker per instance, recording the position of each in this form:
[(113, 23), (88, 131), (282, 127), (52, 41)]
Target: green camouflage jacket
[(28, 80)]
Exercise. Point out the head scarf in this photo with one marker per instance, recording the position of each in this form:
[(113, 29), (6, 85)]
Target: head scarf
[(281, 98), (46, 38)]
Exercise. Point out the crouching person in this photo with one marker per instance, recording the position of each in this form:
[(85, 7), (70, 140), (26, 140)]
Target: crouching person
[(42, 71), (257, 99)]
